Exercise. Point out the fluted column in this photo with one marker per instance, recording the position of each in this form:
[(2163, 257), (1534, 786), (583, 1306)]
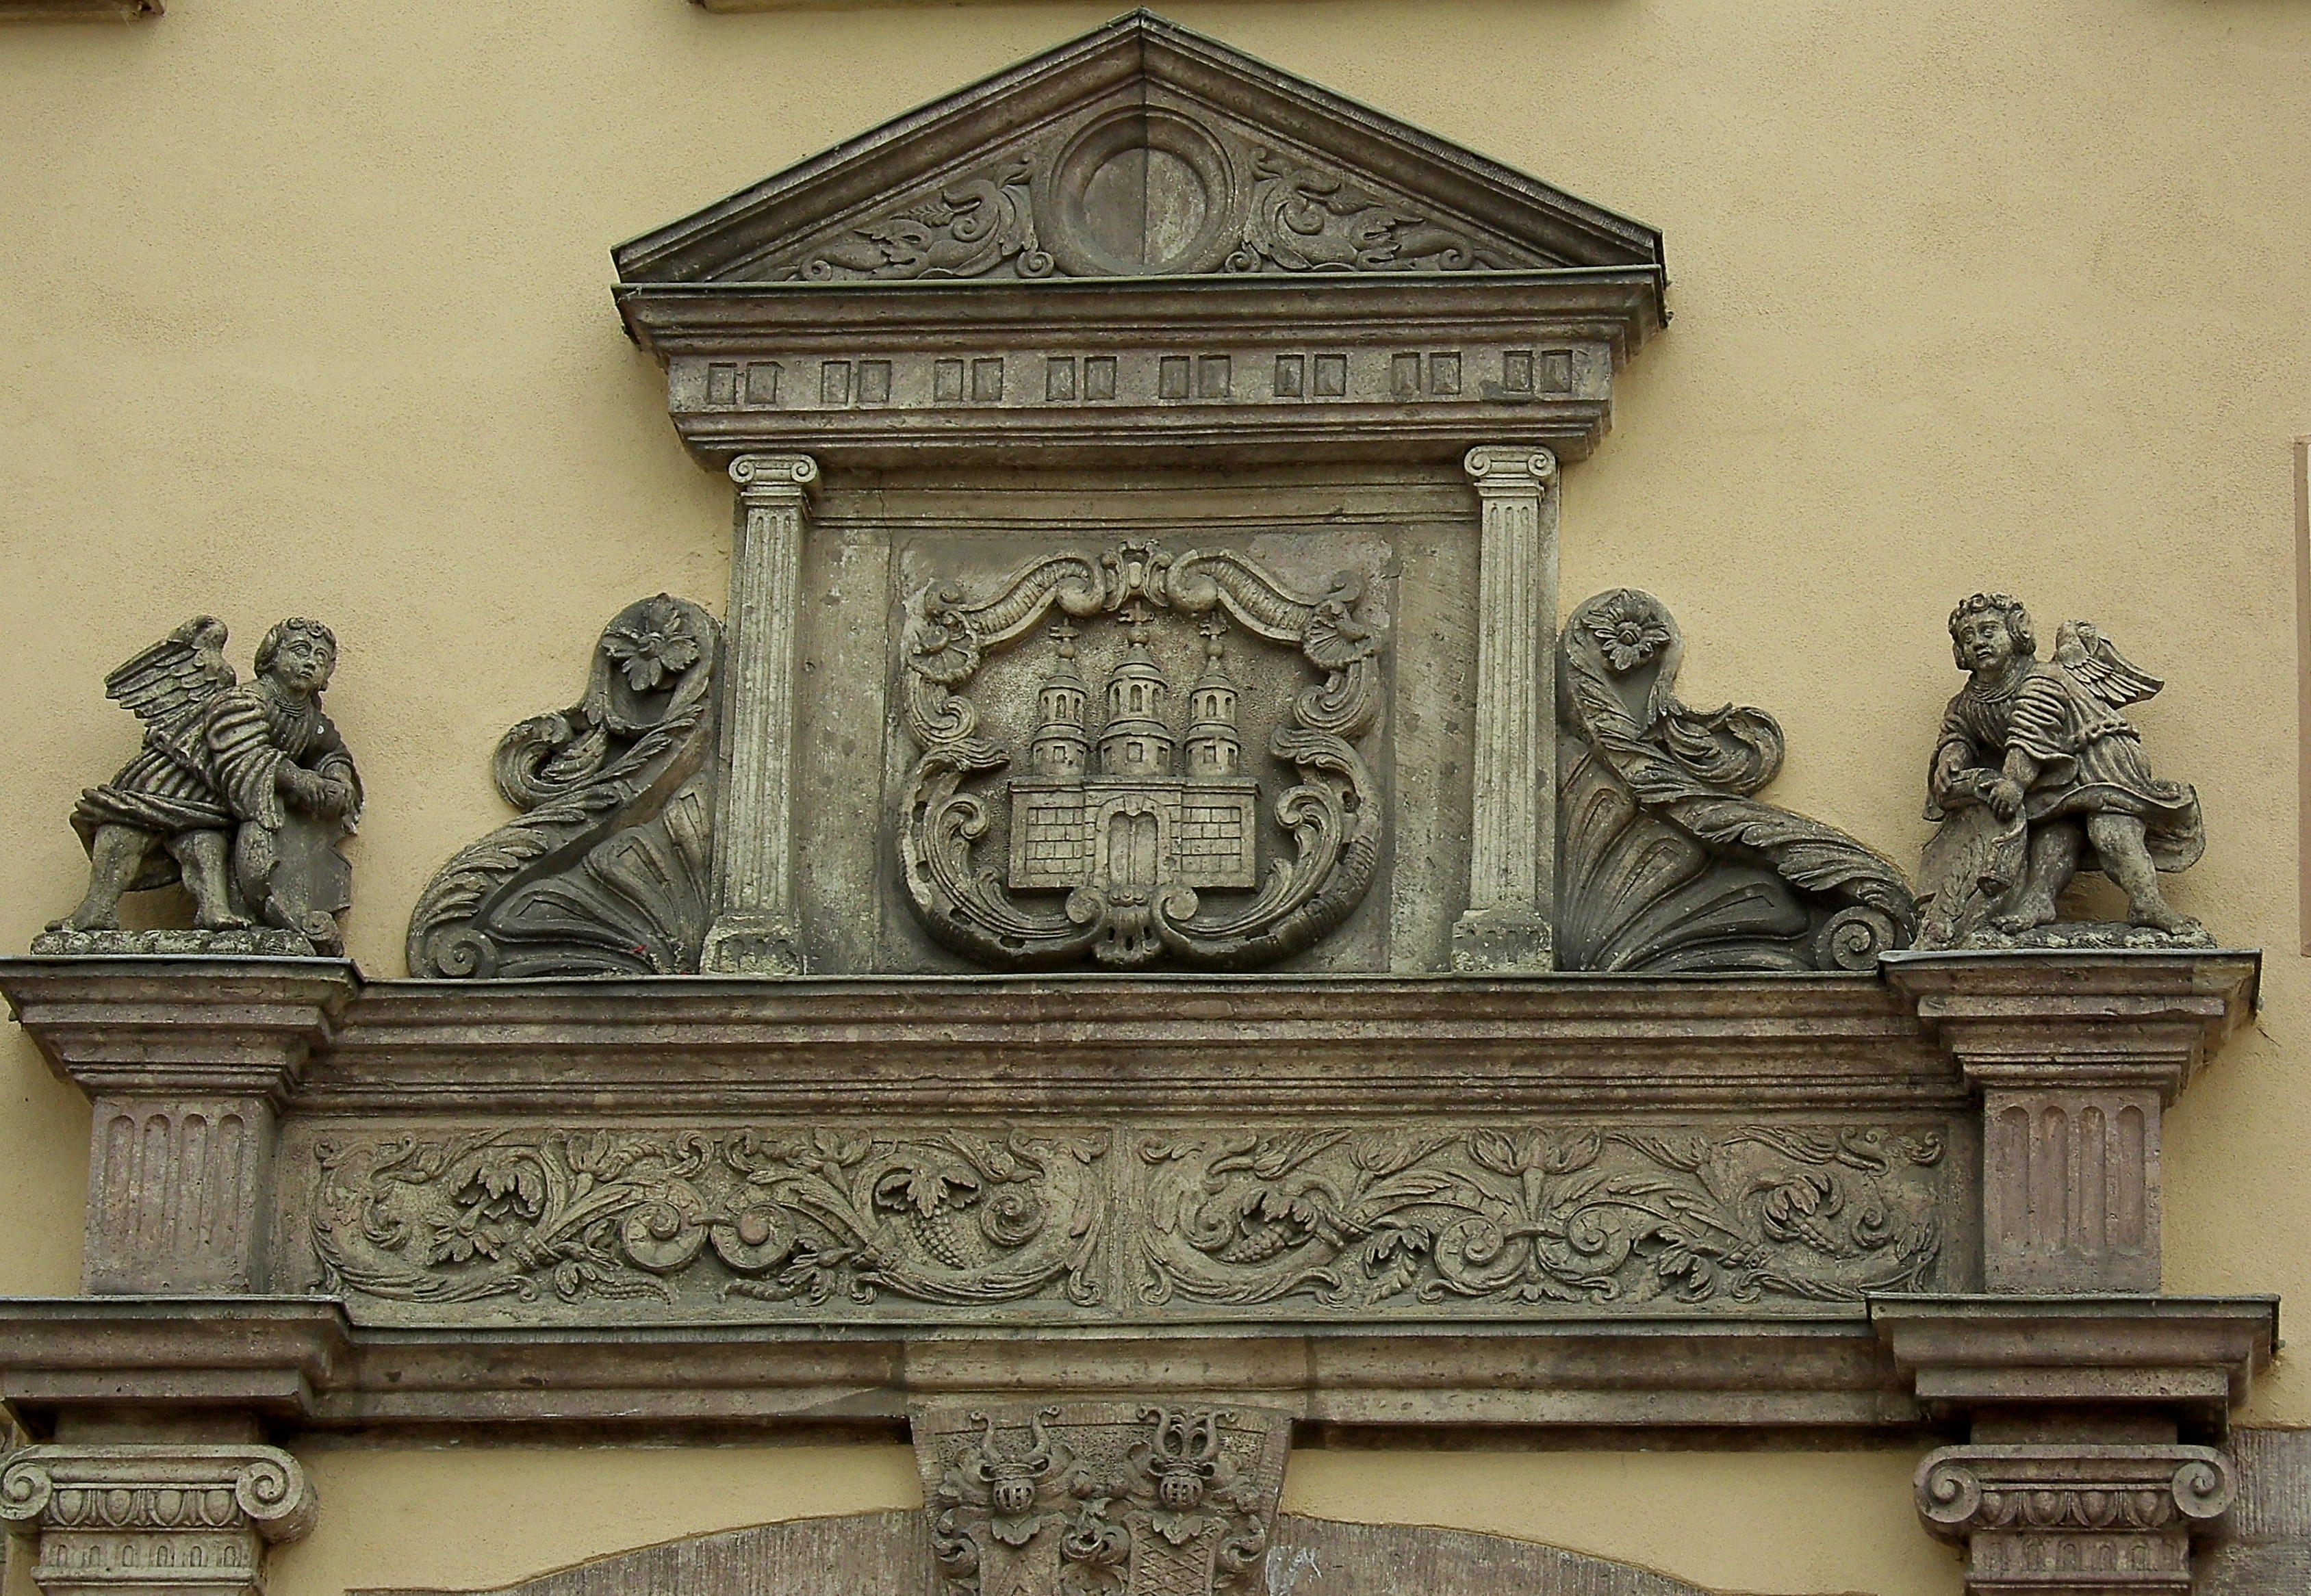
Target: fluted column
[(1512, 830), (755, 930)]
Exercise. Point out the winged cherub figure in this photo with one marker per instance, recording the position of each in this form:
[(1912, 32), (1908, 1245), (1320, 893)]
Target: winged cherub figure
[(2037, 776), (241, 792)]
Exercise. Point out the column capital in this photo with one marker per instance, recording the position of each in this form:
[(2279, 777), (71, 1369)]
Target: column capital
[(1510, 468), (133, 1515), (774, 476), (2096, 1520)]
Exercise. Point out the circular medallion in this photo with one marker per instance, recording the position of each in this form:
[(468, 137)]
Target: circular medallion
[(1141, 193)]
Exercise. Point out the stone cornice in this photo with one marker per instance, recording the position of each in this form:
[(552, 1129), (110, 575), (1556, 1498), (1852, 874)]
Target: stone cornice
[(1358, 1046), (231, 1027), (2190, 1356), (301, 1361), (2081, 1019)]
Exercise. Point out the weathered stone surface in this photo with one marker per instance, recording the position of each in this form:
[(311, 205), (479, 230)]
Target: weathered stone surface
[(1149, 1495), (1150, 820), (2265, 1546), (241, 792), (756, 930), (2102, 1519), (607, 870), (187, 1064), (1668, 862), (2075, 1055), (2037, 776), (79, 10), (1511, 820), (889, 1552), (137, 1517), (1157, 194)]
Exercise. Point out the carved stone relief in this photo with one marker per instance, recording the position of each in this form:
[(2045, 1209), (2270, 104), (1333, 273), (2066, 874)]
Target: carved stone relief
[(605, 872), (697, 1218), (1143, 1498), (852, 1223), (1668, 862), (1149, 819), (141, 1517), (1142, 191)]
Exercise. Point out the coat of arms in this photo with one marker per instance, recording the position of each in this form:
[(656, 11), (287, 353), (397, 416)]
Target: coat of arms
[(1135, 804)]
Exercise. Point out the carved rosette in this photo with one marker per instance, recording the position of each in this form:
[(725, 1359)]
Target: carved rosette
[(1578, 1216), (2073, 1516), (605, 872), (1332, 814), (1129, 1499), (1667, 862), (710, 1219), (195, 1519)]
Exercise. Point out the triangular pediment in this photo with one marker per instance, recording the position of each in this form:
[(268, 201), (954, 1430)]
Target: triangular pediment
[(1139, 150)]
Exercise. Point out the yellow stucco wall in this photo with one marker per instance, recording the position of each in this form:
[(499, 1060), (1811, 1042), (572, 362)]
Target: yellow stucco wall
[(303, 309)]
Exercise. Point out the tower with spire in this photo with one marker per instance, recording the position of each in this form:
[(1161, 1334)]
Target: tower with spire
[(1062, 749), (1213, 749), (1137, 741)]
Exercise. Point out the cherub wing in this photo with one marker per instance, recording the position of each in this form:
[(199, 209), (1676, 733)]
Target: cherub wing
[(167, 682), (2098, 668)]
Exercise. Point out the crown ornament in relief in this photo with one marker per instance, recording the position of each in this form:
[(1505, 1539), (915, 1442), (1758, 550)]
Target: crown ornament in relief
[(1135, 804)]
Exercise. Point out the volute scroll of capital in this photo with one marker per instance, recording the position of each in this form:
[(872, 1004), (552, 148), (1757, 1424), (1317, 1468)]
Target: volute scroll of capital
[(1150, 822)]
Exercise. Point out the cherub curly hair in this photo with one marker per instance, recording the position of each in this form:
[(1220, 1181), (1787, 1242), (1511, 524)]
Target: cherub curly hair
[(2017, 618), (295, 626)]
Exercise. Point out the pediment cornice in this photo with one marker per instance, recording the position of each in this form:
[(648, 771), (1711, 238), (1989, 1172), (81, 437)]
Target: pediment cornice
[(1142, 245)]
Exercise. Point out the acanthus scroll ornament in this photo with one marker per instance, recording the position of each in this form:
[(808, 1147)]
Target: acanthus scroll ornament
[(1134, 842), (605, 873), (698, 1217), (1667, 861), (1580, 1216)]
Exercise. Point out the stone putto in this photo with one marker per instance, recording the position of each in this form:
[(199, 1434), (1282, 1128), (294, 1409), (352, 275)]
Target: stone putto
[(240, 791), (2037, 776)]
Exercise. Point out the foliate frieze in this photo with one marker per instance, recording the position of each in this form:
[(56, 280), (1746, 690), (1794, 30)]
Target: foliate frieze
[(1586, 1216), (879, 1224), (1146, 1498), (1163, 807), (710, 1220)]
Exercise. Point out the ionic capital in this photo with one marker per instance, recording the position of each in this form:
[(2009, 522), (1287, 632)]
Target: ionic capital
[(774, 478), (128, 1517), (1508, 468)]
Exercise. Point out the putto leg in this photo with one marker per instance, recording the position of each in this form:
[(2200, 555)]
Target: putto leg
[(2126, 860), (2054, 860), (115, 856), (202, 857)]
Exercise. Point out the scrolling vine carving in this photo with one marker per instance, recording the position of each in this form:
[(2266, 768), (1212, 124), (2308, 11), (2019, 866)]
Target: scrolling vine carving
[(1331, 815), (1290, 214), (1578, 1215), (800, 1216)]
